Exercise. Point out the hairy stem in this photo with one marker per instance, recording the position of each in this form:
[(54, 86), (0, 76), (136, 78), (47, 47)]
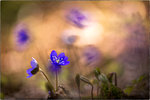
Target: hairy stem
[(56, 81), (46, 78)]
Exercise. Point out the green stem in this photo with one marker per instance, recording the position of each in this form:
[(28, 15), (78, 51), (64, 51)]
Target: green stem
[(56, 81), (92, 92), (88, 82), (115, 79), (98, 89), (79, 94), (46, 78)]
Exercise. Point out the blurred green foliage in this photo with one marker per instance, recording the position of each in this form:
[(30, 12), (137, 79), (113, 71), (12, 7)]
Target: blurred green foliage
[(9, 10), (41, 84), (11, 84), (129, 89), (114, 67), (109, 65), (64, 74), (139, 79), (110, 91), (1, 96)]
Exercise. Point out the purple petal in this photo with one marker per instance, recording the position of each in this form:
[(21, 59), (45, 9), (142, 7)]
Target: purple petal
[(63, 63), (53, 56), (67, 62), (66, 58), (63, 60), (29, 76), (33, 63), (29, 70), (53, 53), (61, 56)]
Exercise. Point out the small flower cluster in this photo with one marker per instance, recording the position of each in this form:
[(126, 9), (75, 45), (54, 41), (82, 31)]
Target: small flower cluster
[(56, 61)]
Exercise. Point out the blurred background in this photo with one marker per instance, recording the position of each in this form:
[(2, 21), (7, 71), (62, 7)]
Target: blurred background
[(111, 35)]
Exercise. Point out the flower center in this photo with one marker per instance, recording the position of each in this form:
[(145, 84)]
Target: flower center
[(57, 61)]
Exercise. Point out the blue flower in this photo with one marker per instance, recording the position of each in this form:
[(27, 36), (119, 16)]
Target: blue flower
[(91, 55), (34, 69), (58, 61), (77, 18), (22, 36), (69, 39)]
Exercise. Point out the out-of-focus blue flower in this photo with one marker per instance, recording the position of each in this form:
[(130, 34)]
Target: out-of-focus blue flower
[(91, 55), (77, 17), (69, 39), (34, 69), (58, 61), (22, 36)]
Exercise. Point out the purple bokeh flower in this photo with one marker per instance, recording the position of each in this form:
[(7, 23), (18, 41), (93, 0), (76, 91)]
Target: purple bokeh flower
[(68, 38), (77, 17), (91, 55), (57, 61), (21, 36), (34, 69)]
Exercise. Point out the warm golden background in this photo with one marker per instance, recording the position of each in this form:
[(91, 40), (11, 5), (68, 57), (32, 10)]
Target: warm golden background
[(118, 29)]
